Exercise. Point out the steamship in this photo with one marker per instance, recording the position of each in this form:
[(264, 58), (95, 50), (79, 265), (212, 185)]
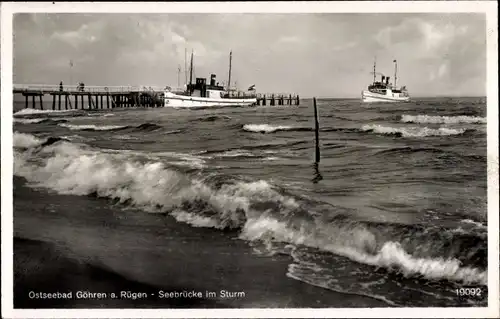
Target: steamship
[(201, 94), (383, 90)]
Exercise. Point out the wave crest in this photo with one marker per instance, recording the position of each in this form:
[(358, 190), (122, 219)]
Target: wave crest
[(92, 127), (259, 210), (412, 131), (428, 119)]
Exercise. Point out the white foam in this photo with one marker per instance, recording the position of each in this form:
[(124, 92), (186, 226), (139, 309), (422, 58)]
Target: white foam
[(412, 131), (360, 245), (36, 111), (71, 169), (25, 140), (422, 119), (264, 128), (29, 121), (470, 221), (236, 153), (74, 127)]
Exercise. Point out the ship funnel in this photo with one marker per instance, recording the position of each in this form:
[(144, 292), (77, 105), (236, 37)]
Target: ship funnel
[(383, 77), (212, 79), (387, 80)]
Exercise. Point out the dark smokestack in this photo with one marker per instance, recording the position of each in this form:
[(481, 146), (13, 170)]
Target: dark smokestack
[(212, 79), (387, 80), (383, 78)]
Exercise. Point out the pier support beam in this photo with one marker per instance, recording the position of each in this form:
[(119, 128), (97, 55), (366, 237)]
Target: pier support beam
[(41, 102)]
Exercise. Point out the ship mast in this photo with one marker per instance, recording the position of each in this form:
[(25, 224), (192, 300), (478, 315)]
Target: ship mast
[(395, 72), (374, 67), (191, 73), (185, 67), (229, 81)]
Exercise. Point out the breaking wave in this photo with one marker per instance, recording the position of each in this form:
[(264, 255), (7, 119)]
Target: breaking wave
[(411, 131), (40, 120), (28, 121), (36, 111), (259, 210), (149, 127), (428, 119), (266, 128), (92, 127)]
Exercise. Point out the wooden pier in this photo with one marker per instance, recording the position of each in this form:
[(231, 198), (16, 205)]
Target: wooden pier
[(277, 99), (101, 97), (94, 97)]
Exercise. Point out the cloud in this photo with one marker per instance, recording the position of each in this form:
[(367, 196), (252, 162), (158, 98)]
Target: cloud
[(309, 54)]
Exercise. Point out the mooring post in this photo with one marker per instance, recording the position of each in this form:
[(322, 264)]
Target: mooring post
[(107, 100), (59, 101), (83, 102), (298, 99), (316, 130), (33, 101), (27, 103), (53, 102), (65, 101), (41, 102), (264, 101), (76, 102)]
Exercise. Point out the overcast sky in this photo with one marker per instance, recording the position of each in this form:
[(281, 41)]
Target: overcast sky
[(323, 55)]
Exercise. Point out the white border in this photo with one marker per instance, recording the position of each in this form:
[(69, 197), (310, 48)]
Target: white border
[(488, 7)]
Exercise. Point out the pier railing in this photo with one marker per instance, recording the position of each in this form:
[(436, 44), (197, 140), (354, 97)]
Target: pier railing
[(47, 88)]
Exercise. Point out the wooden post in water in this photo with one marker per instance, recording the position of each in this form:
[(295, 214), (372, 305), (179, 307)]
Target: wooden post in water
[(89, 97), (76, 102), (107, 100), (68, 98), (33, 101), (59, 101), (41, 102), (102, 103), (53, 102), (316, 130), (27, 103), (83, 102)]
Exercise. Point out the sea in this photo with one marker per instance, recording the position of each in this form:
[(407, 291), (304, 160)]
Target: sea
[(225, 207)]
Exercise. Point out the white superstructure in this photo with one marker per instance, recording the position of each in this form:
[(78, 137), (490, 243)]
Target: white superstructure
[(201, 94)]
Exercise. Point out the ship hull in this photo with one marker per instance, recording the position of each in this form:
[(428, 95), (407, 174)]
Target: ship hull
[(174, 100), (370, 97)]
